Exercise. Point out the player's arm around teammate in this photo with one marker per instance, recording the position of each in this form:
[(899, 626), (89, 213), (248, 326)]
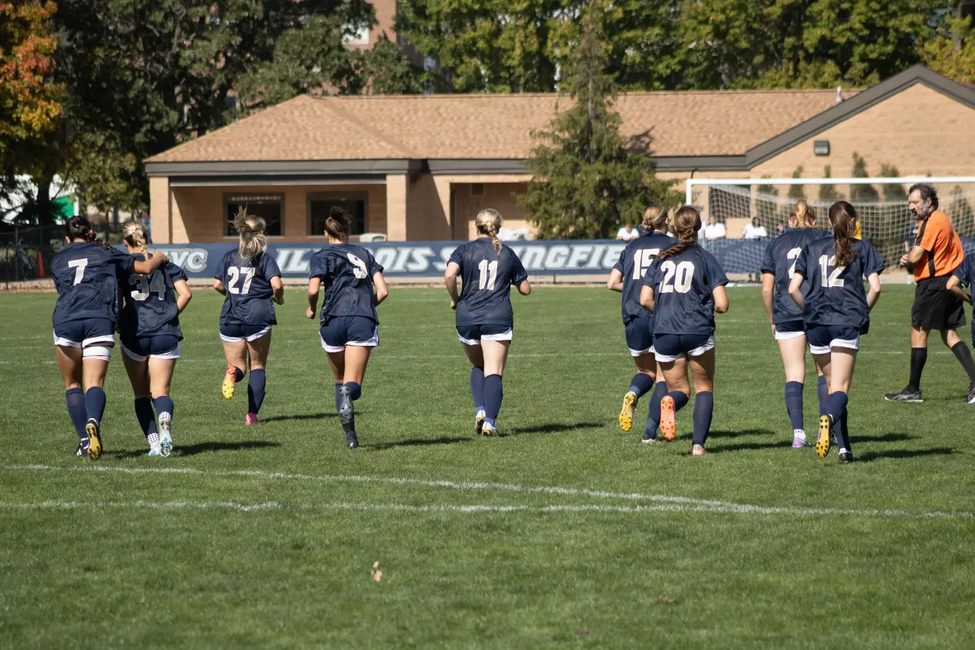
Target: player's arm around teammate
[(684, 288), (788, 329), (354, 286), (149, 335), (627, 278), (485, 322), (85, 318), (836, 311), (250, 280)]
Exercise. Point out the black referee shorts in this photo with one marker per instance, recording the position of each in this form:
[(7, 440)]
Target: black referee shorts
[(935, 307)]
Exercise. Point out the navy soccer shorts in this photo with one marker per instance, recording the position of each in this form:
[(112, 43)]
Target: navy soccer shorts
[(349, 330), (671, 347), (473, 334), (234, 333), (96, 336), (823, 338), (792, 329), (141, 348), (639, 336)]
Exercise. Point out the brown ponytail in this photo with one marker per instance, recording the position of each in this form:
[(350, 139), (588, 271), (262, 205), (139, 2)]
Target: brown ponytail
[(687, 222), (654, 218), (253, 241), (488, 222), (79, 228), (338, 224), (842, 216)]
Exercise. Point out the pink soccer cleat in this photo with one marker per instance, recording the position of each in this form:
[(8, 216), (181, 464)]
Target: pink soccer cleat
[(251, 418)]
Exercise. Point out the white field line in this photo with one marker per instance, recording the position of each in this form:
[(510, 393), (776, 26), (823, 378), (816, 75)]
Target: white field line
[(668, 503)]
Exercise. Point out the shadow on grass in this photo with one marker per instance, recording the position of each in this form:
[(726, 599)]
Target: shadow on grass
[(300, 416), (749, 446), (417, 442), (896, 454), (554, 427), (887, 437), (738, 434), (203, 447)]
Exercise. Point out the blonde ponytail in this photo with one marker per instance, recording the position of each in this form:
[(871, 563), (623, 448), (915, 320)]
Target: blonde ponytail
[(488, 222), (253, 241), (804, 215), (654, 218), (135, 235)]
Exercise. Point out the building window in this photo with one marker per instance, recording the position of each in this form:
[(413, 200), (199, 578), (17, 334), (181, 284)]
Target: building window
[(269, 207), (319, 205), (355, 34)]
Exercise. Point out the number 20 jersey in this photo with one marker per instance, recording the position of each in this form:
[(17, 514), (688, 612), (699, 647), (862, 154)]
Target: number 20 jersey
[(149, 302), (85, 275), (836, 295), (487, 275), (247, 284), (682, 291), (346, 272), (633, 264), (779, 259)]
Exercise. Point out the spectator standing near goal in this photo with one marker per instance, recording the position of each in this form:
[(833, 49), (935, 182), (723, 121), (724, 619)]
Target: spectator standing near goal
[(936, 254)]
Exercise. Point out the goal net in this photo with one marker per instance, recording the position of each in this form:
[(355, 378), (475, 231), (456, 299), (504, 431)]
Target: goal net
[(881, 205)]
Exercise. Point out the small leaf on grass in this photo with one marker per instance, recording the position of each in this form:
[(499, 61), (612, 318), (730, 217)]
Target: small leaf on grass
[(264, 490), (663, 600), (377, 575)]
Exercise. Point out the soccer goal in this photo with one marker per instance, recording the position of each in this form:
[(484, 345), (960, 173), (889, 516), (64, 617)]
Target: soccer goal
[(881, 205)]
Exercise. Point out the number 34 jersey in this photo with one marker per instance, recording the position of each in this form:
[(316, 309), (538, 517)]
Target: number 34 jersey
[(487, 276), (633, 264), (346, 272), (836, 294), (247, 283), (149, 302), (682, 291)]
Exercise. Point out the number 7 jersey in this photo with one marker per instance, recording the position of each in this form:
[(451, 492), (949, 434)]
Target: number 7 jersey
[(487, 276), (247, 284), (682, 286)]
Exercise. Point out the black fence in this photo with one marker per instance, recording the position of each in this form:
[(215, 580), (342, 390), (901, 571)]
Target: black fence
[(26, 253)]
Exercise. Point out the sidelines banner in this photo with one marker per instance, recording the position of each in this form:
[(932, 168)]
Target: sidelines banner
[(429, 259)]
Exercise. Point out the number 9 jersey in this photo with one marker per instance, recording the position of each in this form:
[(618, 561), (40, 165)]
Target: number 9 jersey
[(487, 276), (247, 283), (346, 272), (149, 307), (682, 286)]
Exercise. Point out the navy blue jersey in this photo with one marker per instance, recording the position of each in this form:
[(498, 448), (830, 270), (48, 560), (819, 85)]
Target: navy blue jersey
[(85, 275), (966, 273), (149, 302), (250, 299), (346, 272), (836, 295), (780, 260), (633, 264), (682, 291), (487, 275)]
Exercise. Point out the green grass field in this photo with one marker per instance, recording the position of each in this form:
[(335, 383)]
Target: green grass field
[(563, 532)]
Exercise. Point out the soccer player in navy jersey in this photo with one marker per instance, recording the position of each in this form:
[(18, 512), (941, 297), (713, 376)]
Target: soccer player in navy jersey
[(836, 311), (786, 318), (149, 335), (627, 278), (354, 286), (251, 281), (85, 317), (683, 288), (485, 321), (964, 275)]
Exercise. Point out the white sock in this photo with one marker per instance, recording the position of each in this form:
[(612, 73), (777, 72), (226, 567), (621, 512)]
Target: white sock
[(799, 434)]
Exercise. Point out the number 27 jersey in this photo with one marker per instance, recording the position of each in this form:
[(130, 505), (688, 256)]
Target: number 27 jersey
[(487, 275), (247, 283), (682, 291)]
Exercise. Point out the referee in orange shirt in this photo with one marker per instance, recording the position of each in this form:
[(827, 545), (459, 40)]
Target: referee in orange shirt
[(936, 253)]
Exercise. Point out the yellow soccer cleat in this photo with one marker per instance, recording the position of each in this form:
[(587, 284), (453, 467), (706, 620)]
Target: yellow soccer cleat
[(825, 432), (668, 422), (229, 382), (94, 440), (626, 413)]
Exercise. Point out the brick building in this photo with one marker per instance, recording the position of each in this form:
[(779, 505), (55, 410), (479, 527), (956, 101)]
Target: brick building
[(420, 167)]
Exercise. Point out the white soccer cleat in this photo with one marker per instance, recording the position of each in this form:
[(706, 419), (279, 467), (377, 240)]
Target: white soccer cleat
[(479, 422), (165, 435)]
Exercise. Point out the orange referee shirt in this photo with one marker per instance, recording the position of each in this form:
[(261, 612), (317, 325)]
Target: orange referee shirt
[(942, 248)]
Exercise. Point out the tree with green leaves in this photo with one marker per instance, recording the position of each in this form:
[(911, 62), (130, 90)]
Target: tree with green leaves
[(893, 192), (952, 51), (586, 181), (862, 193), (827, 191), (797, 192)]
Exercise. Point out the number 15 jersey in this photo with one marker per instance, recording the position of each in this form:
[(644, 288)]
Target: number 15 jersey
[(487, 275), (633, 263), (247, 283), (682, 291)]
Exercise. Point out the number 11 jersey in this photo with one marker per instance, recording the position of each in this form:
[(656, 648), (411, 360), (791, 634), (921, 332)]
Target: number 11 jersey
[(487, 275), (247, 283)]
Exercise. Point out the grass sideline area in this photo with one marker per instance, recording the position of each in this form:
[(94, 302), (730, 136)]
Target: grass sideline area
[(563, 532)]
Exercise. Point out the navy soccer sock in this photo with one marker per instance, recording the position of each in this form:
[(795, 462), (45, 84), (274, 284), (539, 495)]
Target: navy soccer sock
[(255, 391), (238, 374), (347, 416), (703, 410), (75, 399), (338, 387), (355, 390), (793, 403), (641, 384), (964, 356), (147, 419), (95, 404), (477, 388), (164, 405), (653, 415), (680, 399), (493, 394), (822, 392), (836, 410)]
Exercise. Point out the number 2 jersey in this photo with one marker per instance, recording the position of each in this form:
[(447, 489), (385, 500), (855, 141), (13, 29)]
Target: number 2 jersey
[(682, 291), (487, 276), (633, 263), (780, 256), (149, 302), (836, 295), (85, 275), (247, 283), (346, 272)]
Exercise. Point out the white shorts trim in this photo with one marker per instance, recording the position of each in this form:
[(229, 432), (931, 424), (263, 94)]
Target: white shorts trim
[(640, 353), (503, 336), (95, 340), (371, 343), (172, 354), (849, 344), (97, 352), (251, 338), (786, 336), (696, 352)]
